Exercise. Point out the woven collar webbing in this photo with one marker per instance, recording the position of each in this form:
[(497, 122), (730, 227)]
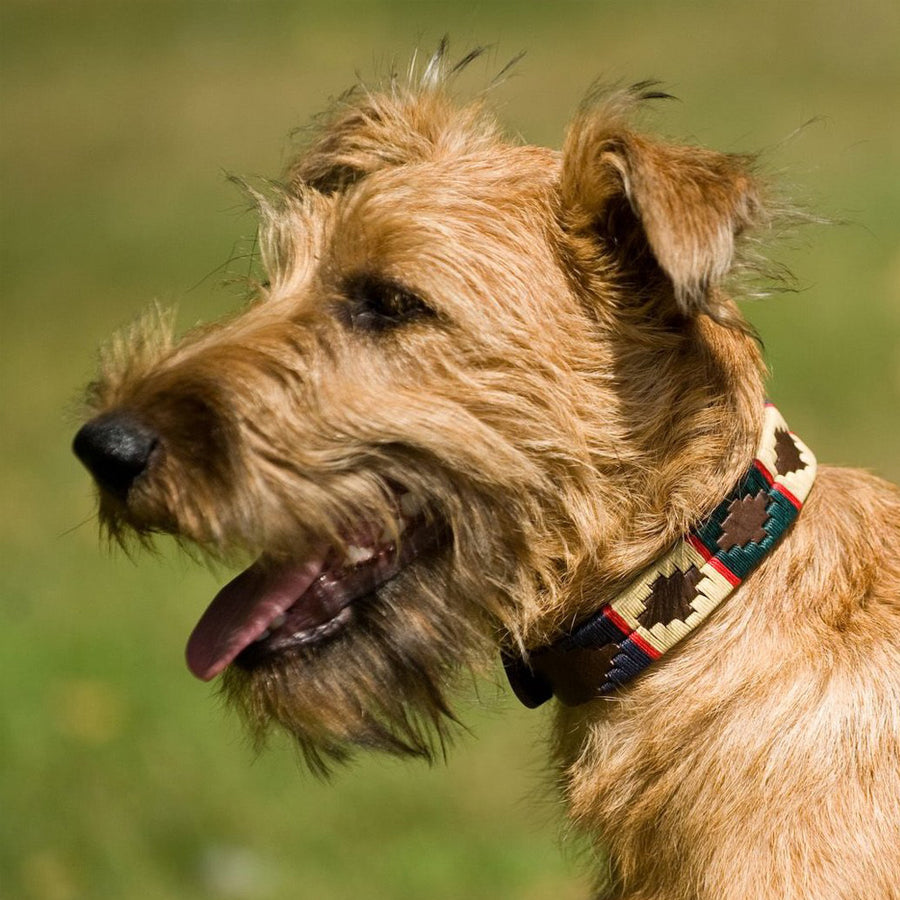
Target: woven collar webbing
[(675, 594)]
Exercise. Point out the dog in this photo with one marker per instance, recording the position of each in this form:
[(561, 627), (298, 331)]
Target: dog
[(494, 398)]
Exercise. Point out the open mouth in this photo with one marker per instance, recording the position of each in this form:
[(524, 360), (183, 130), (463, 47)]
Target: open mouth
[(272, 608)]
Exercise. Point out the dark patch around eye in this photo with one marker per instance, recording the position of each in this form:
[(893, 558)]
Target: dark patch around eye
[(375, 303), (332, 179)]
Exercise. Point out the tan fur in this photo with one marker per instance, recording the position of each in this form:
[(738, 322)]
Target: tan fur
[(581, 392)]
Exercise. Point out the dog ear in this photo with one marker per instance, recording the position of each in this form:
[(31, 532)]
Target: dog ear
[(683, 205)]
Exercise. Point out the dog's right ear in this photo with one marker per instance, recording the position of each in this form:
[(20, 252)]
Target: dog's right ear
[(656, 208)]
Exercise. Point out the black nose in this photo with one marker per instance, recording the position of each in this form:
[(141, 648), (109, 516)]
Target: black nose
[(115, 448)]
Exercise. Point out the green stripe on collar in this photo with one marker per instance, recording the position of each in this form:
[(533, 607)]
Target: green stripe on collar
[(675, 594)]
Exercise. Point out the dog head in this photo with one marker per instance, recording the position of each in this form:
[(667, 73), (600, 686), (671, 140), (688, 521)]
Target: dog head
[(480, 383)]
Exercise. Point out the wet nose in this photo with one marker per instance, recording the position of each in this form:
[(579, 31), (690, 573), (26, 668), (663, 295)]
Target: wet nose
[(115, 448)]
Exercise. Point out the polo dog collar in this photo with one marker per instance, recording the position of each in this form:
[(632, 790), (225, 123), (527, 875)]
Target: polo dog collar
[(675, 594)]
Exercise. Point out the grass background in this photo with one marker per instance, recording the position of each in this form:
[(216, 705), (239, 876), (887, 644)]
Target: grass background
[(121, 777)]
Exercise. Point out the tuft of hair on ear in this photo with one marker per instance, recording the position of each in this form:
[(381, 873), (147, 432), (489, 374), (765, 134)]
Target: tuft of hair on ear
[(686, 208)]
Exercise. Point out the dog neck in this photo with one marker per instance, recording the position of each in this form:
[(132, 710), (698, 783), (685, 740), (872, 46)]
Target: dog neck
[(675, 594)]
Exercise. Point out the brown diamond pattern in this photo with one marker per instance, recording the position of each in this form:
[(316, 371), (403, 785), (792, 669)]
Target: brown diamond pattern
[(787, 456), (670, 598), (576, 675), (745, 521)]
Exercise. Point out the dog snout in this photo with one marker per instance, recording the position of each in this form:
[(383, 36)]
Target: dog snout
[(116, 448)]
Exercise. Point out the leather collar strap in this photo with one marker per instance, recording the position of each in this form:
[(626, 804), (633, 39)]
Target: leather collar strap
[(675, 594)]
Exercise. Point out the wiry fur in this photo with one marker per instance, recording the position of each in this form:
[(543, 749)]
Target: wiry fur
[(581, 392)]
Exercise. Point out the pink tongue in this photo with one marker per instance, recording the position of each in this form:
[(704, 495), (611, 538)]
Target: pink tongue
[(243, 610)]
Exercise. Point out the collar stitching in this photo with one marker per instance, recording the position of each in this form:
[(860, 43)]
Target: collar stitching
[(675, 594)]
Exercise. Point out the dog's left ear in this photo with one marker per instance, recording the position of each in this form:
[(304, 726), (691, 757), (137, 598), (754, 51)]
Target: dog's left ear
[(686, 205)]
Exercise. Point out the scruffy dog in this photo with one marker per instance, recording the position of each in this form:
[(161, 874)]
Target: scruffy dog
[(493, 398)]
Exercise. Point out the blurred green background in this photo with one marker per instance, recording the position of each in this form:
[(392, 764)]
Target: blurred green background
[(122, 777)]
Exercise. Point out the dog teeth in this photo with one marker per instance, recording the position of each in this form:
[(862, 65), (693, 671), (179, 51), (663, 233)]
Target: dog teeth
[(326, 628), (277, 622), (357, 554), (264, 635)]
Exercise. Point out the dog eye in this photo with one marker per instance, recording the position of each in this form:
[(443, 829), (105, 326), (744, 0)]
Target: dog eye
[(380, 304)]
